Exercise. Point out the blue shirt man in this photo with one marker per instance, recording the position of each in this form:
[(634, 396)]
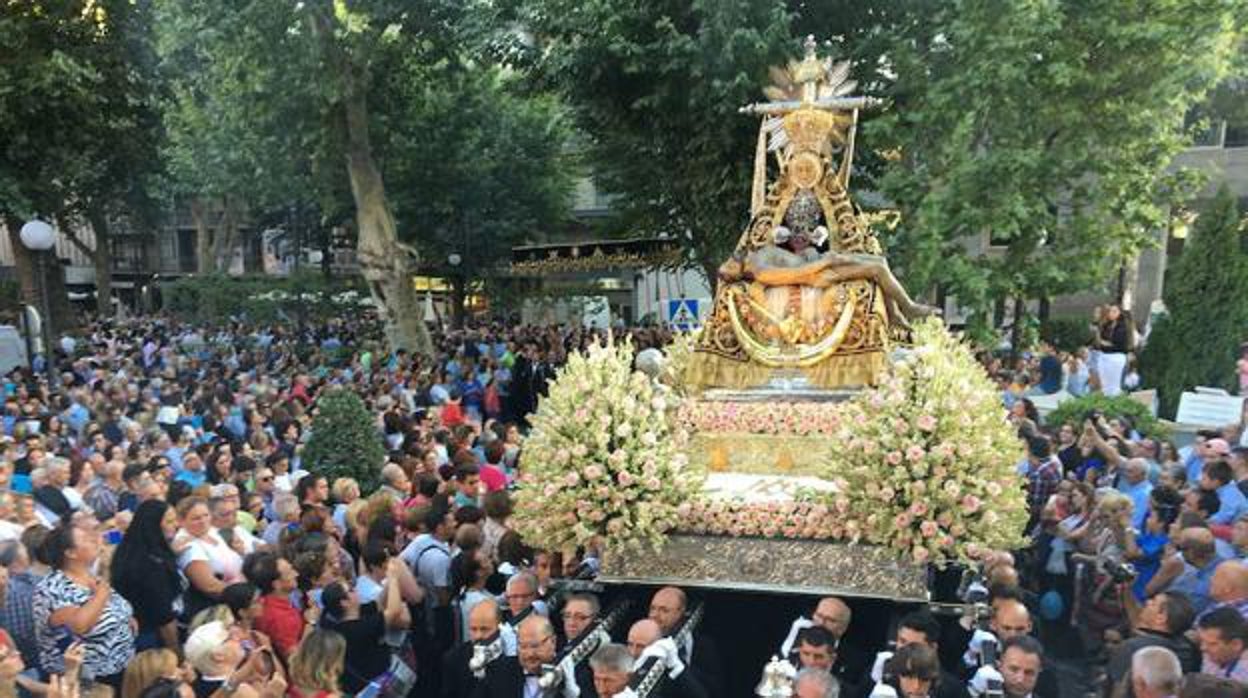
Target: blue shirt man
[(1136, 486)]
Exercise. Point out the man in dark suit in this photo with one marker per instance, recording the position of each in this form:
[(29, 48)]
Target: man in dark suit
[(483, 624), (645, 640), (516, 677), (579, 613), (698, 652)]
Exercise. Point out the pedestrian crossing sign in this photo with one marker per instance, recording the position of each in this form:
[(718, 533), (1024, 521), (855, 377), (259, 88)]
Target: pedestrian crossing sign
[(682, 314)]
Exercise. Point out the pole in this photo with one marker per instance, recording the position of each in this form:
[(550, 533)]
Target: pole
[(45, 324)]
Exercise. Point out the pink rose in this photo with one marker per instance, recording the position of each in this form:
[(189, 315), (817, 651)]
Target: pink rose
[(915, 453), (926, 422), (971, 504), (893, 457), (918, 508), (593, 471), (572, 479), (928, 528), (625, 479)]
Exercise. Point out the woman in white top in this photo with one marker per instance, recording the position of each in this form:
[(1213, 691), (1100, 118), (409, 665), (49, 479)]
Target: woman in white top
[(208, 562)]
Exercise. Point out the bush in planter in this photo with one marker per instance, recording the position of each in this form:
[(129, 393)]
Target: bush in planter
[(1075, 410), (344, 440)]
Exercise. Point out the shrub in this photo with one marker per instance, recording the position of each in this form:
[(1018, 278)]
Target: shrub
[(344, 440), (1075, 410), (1198, 342)]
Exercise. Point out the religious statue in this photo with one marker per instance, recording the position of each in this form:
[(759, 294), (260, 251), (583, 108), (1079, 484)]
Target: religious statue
[(808, 292)]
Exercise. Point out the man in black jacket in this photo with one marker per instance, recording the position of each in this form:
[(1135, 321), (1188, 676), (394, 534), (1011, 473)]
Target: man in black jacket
[(698, 652), (458, 680), (516, 677)]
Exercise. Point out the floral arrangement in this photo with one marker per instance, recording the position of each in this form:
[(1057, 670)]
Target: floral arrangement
[(679, 353), (780, 418), (602, 462), (928, 464), (801, 518)]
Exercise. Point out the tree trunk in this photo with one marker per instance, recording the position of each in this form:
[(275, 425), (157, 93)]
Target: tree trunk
[(23, 262), (227, 236), (458, 293), (204, 260), (101, 258), (385, 263), (1016, 329)]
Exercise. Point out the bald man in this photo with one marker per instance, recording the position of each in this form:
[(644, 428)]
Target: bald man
[(483, 626), (698, 651), (646, 632), (835, 616), (516, 677), (1189, 571), (1229, 586), (1011, 619)]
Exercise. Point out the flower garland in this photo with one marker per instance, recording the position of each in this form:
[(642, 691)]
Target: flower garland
[(777, 418), (803, 518), (602, 461)]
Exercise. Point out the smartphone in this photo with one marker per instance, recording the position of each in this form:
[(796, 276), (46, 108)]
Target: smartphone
[(64, 639)]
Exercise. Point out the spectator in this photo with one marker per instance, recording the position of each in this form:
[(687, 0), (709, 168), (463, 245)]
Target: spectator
[(1155, 673), (145, 572), (72, 601), (1223, 639)]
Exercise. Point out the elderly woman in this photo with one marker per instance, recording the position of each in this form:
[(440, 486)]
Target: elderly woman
[(208, 562), (73, 603)]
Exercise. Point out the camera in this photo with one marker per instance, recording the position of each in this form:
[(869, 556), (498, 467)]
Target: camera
[(1120, 572)]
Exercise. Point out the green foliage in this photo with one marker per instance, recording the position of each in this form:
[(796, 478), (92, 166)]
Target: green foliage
[(1066, 333), (1076, 410), (1197, 343), (1049, 127), (305, 296), (345, 441), (476, 165), (656, 87)]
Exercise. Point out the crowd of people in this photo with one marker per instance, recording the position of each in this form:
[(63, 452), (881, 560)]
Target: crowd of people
[(160, 536)]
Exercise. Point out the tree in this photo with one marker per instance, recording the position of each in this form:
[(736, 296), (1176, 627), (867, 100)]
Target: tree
[(478, 166), (1197, 343), (246, 124), (1046, 126), (656, 87), (77, 121), (344, 441)]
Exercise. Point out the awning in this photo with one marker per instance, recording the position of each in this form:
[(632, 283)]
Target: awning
[(594, 255)]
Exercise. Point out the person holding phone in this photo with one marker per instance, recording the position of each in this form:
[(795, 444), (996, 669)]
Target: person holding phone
[(73, 604)]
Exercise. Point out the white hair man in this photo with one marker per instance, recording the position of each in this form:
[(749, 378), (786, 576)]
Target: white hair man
[(1155, 673), (613, 669), (815, 683)]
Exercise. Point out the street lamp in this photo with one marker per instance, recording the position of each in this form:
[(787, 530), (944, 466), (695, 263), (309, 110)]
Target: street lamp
[(40, 238)]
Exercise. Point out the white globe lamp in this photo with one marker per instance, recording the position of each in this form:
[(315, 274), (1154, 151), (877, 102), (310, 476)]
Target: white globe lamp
[(38, 236)]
